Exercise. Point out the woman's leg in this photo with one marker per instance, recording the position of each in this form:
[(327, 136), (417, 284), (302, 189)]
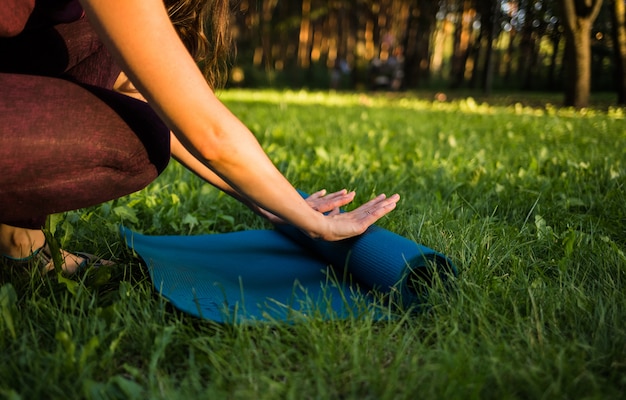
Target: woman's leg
[(72, 51), (64, 146), (71, 143)]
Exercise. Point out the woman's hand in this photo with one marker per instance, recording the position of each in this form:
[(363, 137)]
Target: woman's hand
[(348, 224), (343, 225)]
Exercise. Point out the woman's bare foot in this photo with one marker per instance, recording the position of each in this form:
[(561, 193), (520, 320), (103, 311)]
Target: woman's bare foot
[(71, 263), (21, 243)]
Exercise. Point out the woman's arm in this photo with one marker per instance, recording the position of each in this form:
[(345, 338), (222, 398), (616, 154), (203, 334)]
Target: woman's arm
[(179, 152), (13, 16), (319, 201), (141, 37)]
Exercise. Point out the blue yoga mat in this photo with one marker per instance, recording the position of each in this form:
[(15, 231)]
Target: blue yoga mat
[(284, 275)]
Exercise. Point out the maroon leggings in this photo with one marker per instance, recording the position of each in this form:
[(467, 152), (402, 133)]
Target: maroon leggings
[(67, 140)]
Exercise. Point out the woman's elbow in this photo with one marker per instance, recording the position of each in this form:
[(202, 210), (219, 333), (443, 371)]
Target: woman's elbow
[(210, 152), (11, 29), (13, 24)]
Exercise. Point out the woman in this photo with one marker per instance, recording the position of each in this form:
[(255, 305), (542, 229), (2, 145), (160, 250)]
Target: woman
[(72, 135)]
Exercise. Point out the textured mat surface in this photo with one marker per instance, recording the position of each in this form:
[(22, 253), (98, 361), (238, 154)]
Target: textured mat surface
[(283, 275)]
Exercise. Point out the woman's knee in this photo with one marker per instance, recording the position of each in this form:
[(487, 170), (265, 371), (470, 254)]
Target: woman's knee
[(146, 126), (57, 137)]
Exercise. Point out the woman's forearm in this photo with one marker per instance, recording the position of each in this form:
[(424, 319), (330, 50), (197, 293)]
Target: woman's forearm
[(181, 154)]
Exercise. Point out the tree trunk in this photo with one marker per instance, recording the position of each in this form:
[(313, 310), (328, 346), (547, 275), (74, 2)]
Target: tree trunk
[(579, 16), (619, 37), (509, 57), (266, 34), (462, 43), (528, 50), (492, 22), (578, 67), (476, 54), (555, 40), (416, 43), (305, 37)]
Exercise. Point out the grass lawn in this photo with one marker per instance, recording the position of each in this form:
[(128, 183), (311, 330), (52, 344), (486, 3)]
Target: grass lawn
[(529, 202)]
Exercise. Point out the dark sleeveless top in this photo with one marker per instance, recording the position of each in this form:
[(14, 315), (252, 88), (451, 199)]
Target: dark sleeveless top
[(52, 12)]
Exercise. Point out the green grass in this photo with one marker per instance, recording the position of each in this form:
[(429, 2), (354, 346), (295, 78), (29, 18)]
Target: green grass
[(529, 202)]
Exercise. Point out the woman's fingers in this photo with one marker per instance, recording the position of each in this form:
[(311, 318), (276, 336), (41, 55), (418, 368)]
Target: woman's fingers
[(322, 202), (355, 222), (317, 195), (378, 207)]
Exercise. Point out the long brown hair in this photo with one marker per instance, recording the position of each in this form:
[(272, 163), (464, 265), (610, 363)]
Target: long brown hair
[(203, 26)]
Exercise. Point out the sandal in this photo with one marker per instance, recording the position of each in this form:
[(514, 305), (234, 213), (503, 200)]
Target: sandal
[(42, 259)]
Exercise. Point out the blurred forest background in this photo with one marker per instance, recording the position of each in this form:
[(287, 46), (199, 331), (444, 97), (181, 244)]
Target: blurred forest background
[(571, 46)]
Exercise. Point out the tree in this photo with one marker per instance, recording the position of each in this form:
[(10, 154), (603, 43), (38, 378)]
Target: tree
[(553, 31), (421, 20), (489, 15), (478, 44), (619, 39), (578, 16), (531, 29), (463, 39)]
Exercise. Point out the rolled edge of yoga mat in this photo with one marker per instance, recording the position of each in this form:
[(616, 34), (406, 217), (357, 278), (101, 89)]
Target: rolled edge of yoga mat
[(382, 260)]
